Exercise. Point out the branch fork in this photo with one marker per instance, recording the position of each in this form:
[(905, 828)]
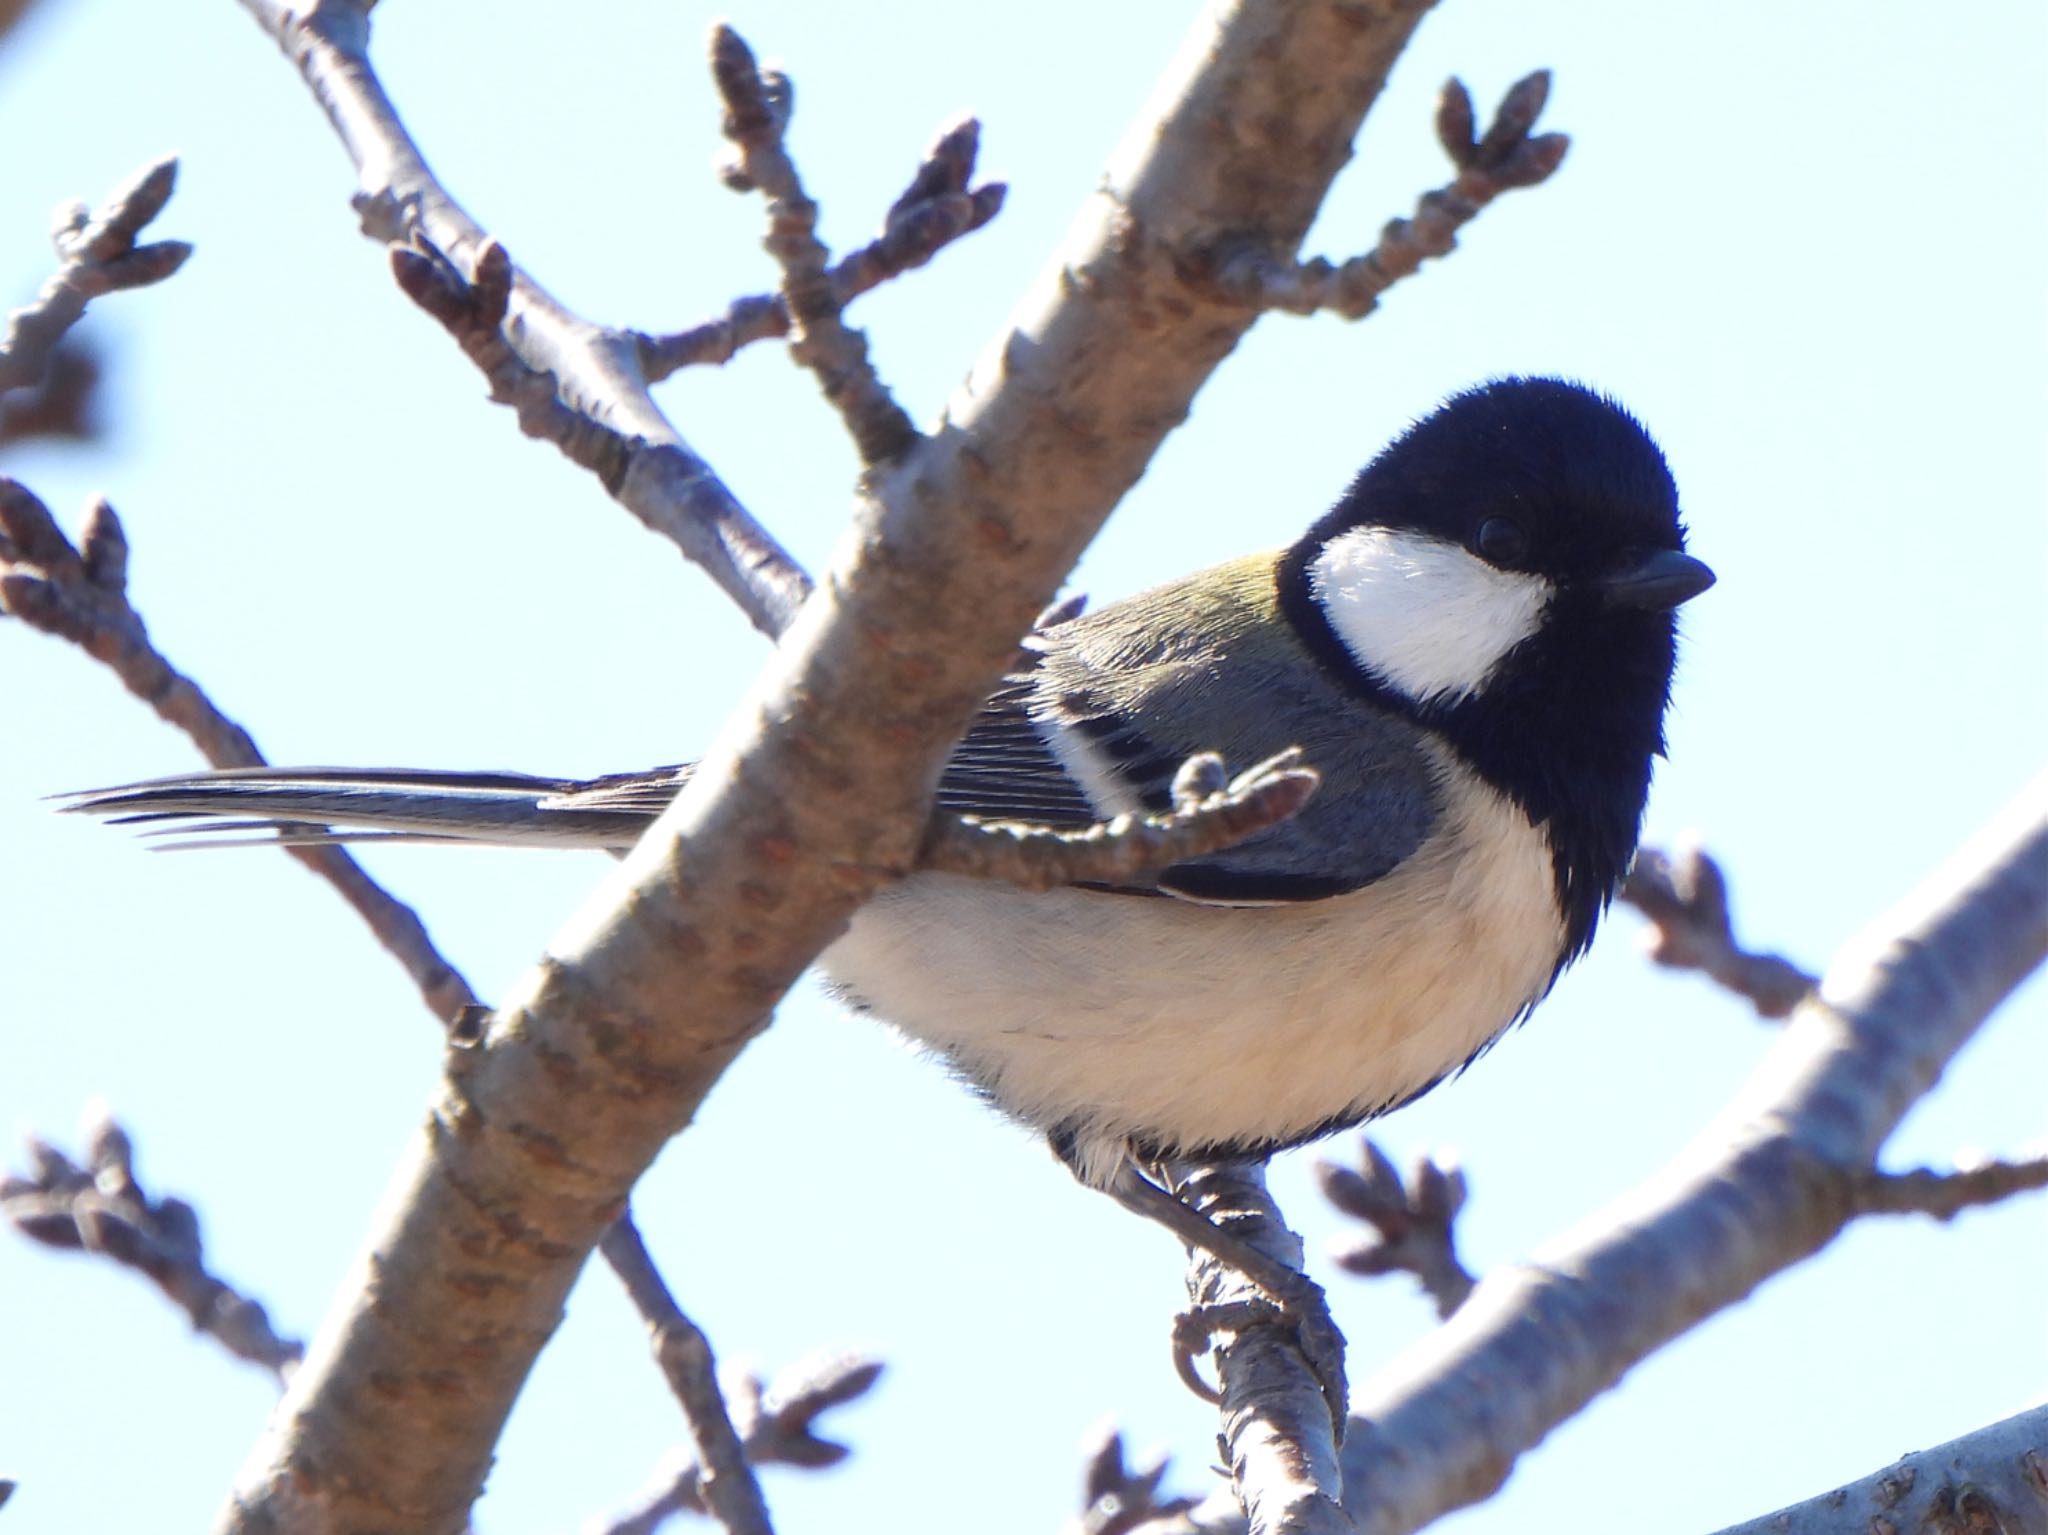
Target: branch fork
[(1503, 158), (1685, 896), (758, 105), (99, 255), (100, 1207), (1412, 1221), (937, 208)]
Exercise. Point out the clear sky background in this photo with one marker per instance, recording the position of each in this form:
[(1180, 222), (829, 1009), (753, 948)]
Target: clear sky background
[(1804, 241)]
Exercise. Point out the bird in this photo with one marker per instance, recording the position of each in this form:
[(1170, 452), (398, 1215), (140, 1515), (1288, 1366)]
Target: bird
[(1473, 649)]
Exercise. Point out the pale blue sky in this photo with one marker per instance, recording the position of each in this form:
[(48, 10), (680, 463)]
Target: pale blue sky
[(1803, 241)]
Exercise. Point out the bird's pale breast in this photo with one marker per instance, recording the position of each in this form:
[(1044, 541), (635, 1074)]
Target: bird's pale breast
[(1184, 1025)]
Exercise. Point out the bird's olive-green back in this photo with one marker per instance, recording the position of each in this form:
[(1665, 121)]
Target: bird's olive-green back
[(1210, 663)]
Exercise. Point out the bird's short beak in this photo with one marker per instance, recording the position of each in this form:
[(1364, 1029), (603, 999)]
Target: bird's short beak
[(1662, 582)]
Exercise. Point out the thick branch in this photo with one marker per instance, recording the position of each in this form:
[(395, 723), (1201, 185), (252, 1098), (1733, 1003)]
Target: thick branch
[(1774, 1181), (817, 792), (606, 421), (81, 595), (1993, 1480)]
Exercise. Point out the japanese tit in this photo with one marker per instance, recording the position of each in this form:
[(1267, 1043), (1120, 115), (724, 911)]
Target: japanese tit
[(1474, 649)]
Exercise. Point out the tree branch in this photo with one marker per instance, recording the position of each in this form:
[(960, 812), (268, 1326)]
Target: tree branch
[(1685, 896), (936, 209), (724, 1480), (776, 1427), (64, 405), (81, 595), (816, 793), (1772, 1182), (1945, 1195), (757, 112), (606, 420), (1412, 1221), (101, 1208), (1504, 158), (1121, 1499), (1991, 1481), (98, 255), (1278, 1424)]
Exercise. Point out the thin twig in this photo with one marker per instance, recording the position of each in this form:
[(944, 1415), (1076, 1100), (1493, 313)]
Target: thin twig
[(1945, 1195), (64, 405), (724, 1479), (1506, 157), (81, 595), (1118, 1498), (776, 1424), (1117, 851), (1685, 896), (937, 208), (606, 419), (757, 112), (98, 255), (1412, 1219), (101, 1208)]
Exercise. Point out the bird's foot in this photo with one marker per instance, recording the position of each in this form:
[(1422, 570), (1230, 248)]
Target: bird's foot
[(1305, 1312), (1291, 1298)]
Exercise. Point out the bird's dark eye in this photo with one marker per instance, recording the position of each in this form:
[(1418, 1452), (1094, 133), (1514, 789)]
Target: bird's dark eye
[(1501, 541)]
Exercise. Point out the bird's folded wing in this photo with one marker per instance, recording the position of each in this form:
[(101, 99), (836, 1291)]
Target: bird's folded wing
[(1377, 802)]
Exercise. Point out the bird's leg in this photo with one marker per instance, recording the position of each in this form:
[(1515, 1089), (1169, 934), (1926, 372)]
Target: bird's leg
[(1142, 1196), (1298, 1299)]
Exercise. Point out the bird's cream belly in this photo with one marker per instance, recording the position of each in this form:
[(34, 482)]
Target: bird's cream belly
[(1185, 1025)]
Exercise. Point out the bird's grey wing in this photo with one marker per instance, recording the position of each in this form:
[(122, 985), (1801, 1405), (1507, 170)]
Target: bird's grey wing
[(1355, 837), (1242, 692), (1003, 770), (1376, 804)]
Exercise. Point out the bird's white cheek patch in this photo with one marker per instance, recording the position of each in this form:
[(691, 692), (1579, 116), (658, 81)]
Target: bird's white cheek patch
[(1424, 615)]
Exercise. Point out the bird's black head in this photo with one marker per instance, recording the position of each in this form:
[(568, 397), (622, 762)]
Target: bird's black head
[(1505, 573)]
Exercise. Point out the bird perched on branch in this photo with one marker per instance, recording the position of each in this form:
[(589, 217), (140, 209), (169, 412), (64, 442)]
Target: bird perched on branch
[(1473, 650)]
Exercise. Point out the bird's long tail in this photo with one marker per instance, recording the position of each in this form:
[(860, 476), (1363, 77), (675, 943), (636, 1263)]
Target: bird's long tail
[(306, 806)]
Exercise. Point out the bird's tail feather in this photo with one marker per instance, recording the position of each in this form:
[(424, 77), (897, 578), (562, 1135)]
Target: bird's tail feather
[(314, 806)]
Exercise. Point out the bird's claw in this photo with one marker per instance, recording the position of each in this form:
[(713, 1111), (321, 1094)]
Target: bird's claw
[(1305, 1312)]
